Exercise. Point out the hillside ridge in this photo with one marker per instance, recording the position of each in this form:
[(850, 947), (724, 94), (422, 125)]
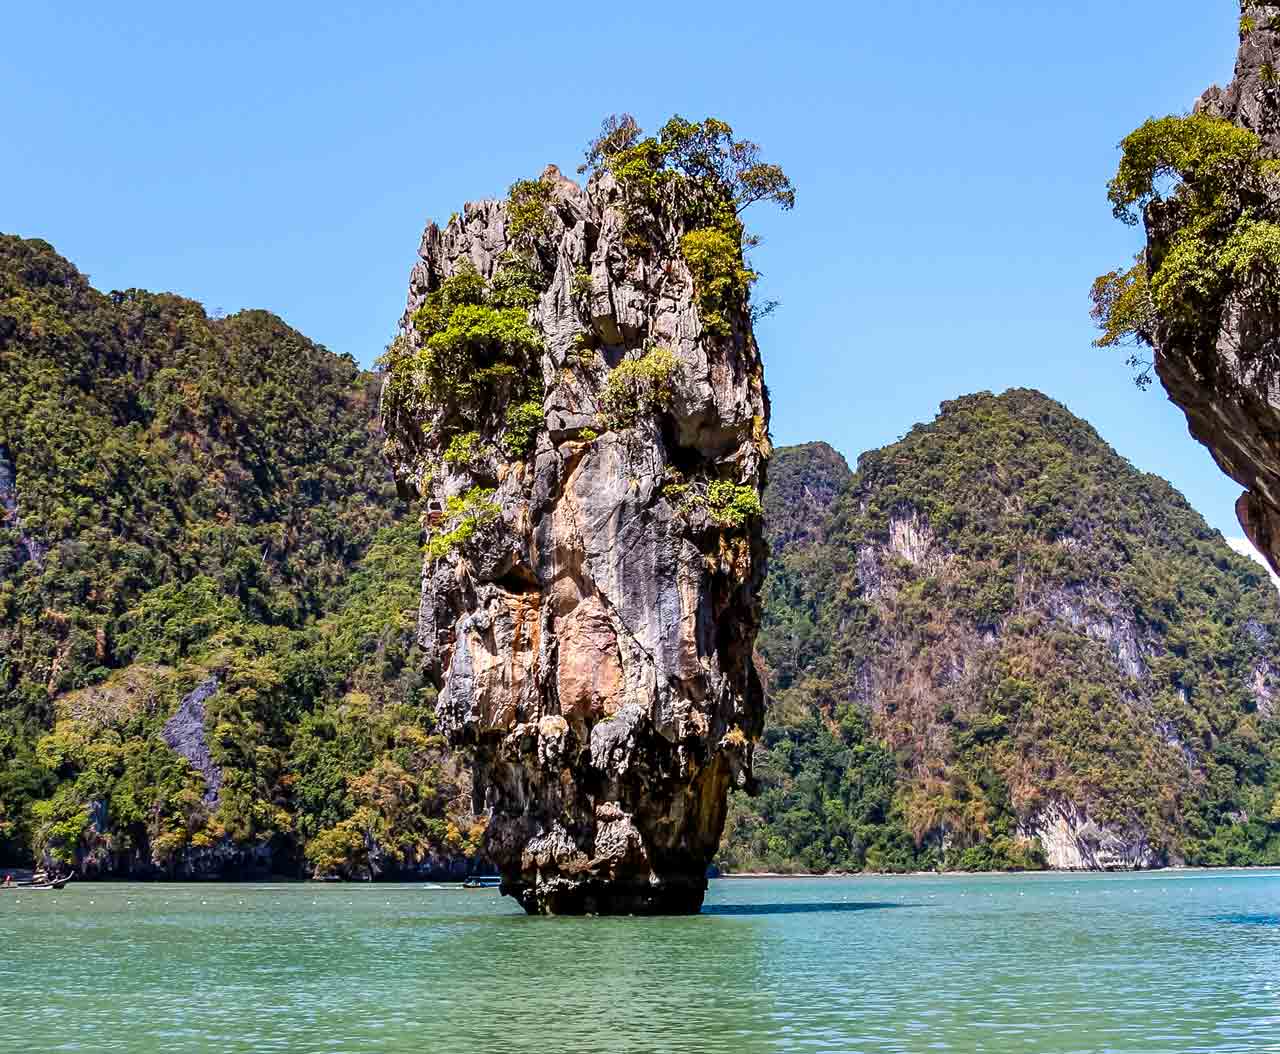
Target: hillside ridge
[(1013, 649)]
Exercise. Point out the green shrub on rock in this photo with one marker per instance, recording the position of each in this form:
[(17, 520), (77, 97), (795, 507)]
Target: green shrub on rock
[(582, 284), (639, 386), (727, 504), (709, 177), (720, 278), (475, 347), (1205, 181), (465, 450), (523, 422), (731, 504), (527, 204), (464, 514), (517, 282)]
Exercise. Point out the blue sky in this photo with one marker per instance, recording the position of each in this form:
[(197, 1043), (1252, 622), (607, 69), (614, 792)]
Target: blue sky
[(950, 161)]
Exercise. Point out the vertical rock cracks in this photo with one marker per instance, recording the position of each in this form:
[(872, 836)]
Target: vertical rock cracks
[(589, 454)]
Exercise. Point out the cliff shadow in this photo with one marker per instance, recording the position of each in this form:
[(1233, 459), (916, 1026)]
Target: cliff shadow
[(1247, 920), (805, 908)]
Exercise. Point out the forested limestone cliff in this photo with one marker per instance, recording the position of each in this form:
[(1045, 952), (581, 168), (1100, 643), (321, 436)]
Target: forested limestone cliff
[(207, 591), (1001, 645)]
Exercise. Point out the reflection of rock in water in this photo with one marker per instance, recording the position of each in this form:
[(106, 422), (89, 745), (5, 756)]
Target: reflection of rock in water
[(720, 989), (590, 602)]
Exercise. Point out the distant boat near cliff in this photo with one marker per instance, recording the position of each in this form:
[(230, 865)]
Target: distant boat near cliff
[(39, 886)]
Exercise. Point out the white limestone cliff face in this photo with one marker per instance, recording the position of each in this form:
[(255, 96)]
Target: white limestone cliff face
[(1073, 841)]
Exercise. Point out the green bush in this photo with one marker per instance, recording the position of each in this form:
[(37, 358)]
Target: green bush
[(1207, 178), (636, 387), (465, 450), (1205, 157), (720, 278), (523, 422), (464, 515), (476, 359), (731, 504), (582, 284), (706, 176), (527, 204)]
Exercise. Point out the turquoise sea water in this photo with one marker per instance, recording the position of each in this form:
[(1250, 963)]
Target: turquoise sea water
[(1168, 962)]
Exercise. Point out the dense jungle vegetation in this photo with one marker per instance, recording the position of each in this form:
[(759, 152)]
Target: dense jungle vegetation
[(188, 498), (995, 613)]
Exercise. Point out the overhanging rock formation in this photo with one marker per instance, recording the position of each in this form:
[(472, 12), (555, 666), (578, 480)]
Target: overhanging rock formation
[(587, 429), (1217, 357)]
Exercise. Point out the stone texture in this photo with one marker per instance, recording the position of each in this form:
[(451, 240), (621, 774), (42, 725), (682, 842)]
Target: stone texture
[(1226, 383), (593, 645), (1073, 841), (185, 734)]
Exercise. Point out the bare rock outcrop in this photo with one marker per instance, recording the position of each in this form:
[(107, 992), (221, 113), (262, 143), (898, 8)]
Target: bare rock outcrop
[(1074, 841), (184, 733), (589, 440)]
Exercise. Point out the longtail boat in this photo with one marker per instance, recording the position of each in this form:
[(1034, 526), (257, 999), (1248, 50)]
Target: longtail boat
[(38, 884)]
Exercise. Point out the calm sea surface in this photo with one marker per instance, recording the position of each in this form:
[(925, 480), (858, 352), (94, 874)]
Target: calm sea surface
[(1168, 962)]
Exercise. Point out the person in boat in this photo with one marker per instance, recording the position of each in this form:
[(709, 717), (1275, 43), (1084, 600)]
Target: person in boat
[(8, 881)]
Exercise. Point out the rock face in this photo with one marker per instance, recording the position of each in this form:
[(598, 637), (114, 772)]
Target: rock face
[(1072, 841), (1224, 379), (184, 733), (591, 591)]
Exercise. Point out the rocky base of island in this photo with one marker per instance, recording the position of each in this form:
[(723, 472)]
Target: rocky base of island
[(673, 895)]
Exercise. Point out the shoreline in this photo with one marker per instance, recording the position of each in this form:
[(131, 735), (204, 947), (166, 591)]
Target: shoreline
[(451, 883), (1178, 869)]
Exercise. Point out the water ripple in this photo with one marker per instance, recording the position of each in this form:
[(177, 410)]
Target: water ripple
[(1166, 962)]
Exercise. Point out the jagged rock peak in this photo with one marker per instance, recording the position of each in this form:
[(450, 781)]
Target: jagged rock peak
[(577, 397), (1250, 99)]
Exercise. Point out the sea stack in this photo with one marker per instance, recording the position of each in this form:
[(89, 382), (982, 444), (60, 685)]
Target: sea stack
[(576, 399)]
